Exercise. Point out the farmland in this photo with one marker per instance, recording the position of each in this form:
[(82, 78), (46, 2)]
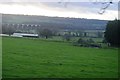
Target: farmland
[(36, 58)]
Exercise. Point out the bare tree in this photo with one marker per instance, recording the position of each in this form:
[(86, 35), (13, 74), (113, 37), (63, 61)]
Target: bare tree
[(7, 30), (45, 33), (67, 36)]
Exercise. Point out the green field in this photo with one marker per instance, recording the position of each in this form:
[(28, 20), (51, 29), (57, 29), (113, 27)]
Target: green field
[(35, 58)]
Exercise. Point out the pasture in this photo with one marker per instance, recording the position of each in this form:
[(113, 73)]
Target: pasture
[(36, 58)]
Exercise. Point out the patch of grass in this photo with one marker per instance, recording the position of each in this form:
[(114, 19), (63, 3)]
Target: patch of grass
[(35, 58)]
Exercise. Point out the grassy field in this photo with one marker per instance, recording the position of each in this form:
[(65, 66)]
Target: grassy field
[(35, 58)]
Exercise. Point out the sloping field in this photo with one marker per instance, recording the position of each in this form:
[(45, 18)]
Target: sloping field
[(35, 58)]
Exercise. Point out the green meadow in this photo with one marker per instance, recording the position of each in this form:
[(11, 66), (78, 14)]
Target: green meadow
[(36, 58)]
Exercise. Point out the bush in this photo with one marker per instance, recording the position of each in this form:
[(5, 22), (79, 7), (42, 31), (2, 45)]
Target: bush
[(67, 37), (81, 41), (86, 43), (104, 41), (90, 40)]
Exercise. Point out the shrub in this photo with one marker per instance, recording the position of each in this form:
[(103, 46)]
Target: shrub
[(67, 37), (81, 41), (104, 41), (90, 40), (86, 43)]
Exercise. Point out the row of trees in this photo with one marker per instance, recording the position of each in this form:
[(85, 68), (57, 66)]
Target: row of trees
[(42, 32), (46, 32), (111, 35)]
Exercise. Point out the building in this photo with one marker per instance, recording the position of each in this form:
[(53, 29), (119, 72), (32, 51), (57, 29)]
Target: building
[(83, 33), (25, 35), (94, 33)]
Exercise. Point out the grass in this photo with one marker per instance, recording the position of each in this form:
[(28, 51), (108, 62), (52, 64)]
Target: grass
[(35, 58)]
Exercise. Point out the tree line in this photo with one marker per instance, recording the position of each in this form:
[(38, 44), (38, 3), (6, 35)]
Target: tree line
[(111, 34)]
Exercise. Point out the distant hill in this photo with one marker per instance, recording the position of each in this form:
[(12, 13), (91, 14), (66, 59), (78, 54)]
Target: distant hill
[(58, 22)]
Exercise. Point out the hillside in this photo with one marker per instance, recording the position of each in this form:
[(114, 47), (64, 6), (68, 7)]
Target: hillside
[(59, 22)]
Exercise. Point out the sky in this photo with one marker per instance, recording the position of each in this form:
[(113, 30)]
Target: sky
[(60, 8)]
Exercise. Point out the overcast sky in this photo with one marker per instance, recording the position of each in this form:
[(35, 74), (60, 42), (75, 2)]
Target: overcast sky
[(61, 8)]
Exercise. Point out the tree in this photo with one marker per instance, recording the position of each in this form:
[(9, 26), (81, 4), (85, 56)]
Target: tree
[(45, 33), (90, 40), (100, 35), (67, 37), (8, 30), (112, 33), (81, 41)]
